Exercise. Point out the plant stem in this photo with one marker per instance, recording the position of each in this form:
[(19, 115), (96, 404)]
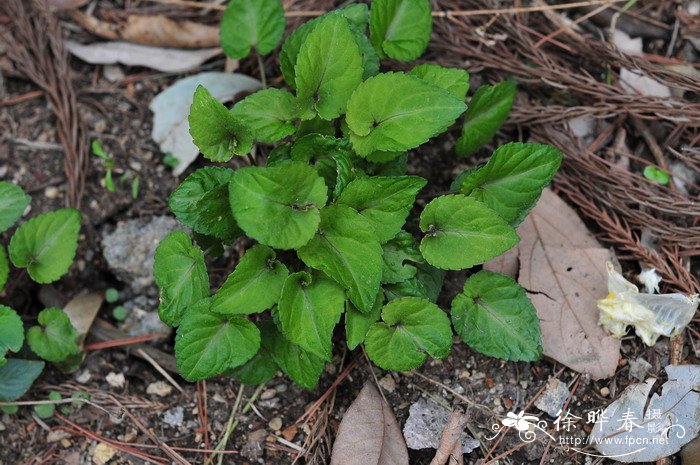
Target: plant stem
[(261, 67)]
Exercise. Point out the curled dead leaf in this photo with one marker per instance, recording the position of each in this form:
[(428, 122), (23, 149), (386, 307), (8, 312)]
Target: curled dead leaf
[(159, 31), (369, 433)]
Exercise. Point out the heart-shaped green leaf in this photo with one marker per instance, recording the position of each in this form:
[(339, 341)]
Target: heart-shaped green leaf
[(411, 328), (46, 244), (4, 268), (11, 332), (16, 377), (262, 367), (251, 23), (201, 203), (304, 368), (487, 111), (346, 249), (513, 179), (495, 317), (181, 275), (278, 206), (328, 67), (453, 80), (208, 344), (55, 339), (357, 323), (331, 157), (254, 286), (400, 29), (13, 202), (308, 311), (461, 232), (384, 200), (396, 112), (217, 133), (395, 253), (269, 113)]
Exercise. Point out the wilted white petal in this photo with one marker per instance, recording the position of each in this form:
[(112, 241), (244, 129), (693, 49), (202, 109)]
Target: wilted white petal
[(652, 315), (651, 279)]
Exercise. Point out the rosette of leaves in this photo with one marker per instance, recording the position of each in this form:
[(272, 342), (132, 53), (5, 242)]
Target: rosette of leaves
[(324, 215), (45, 247)]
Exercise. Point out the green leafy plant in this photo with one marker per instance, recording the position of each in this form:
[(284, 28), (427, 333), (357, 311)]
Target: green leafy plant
[(109, 165), (44, 246), (325, 212)]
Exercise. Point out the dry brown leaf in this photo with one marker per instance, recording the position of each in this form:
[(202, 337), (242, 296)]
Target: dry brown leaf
[(450, 447), (563, 268), (158, 31), (369, 433), (169, 60), (82, 310)]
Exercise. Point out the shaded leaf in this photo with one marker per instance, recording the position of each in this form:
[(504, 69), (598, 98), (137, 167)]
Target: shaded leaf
[(269, 113), (55, 340), (262, 367), (461, 232), (357, 323), (495, 317), (252, 23), (346, 249), (254, 286), (400, 29), (513, 179), (411, 329), (308, 311), (453, 80), (13, 202), (17, 376), (278, 206), (218, 133), (488, 109), (171, 109), (427, 283), (11, 332), (207, 344), (201, 203), (384, 201), (302, 367), (46, 244), (328, 67), (181, 275), (396, 112), (396, 253), (4, 268), (369, 433)]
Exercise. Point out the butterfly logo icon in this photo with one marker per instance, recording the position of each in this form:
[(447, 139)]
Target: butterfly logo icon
[(521, 422)]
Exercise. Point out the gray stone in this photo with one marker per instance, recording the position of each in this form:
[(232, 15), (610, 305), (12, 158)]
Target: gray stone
[(142, 317), (426, 421), (553, 398), (174, 417), (130, 248), (639, 369)]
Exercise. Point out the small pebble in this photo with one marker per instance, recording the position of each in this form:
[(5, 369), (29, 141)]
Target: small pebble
[(281, 388), (51, 192), (116, 380), (388, 383), (275, 424), (604, 391), (159, 388), (268, 394)]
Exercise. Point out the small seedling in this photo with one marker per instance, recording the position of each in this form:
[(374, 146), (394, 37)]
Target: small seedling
[(46, 411), (119, 313), (328, 209), (108, 163), (170, 161), (111, 295), (655, 174)]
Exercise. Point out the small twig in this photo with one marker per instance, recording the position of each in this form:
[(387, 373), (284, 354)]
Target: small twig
[(451, 439), (124, 342), (21, 98), (261, 68), (162, 371)]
